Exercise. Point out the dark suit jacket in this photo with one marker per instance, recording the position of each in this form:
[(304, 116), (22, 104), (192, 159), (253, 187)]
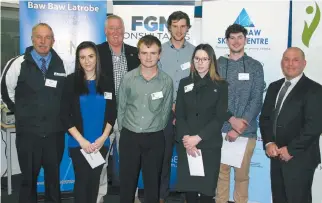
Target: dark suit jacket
[(131, 54), (299, 123)]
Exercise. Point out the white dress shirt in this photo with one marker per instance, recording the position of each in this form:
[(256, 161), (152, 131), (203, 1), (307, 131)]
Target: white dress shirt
[(294, 81)]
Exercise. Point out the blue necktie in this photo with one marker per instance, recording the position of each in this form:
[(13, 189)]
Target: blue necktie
[(43, 66)]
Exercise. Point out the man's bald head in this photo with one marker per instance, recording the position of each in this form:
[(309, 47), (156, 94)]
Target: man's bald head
[(295, 49), (293, 62)]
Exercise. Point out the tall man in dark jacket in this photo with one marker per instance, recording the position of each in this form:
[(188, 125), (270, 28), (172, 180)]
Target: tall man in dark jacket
[(31, 87), (117, 58), (290, 125)]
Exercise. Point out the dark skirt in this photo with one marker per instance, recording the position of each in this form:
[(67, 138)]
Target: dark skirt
[(206, 185)]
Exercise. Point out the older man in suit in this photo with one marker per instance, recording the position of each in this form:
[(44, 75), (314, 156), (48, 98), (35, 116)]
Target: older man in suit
[(291, 124)]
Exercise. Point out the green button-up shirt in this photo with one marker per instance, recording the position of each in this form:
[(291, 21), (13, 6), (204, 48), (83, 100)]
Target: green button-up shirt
[(144, 106)]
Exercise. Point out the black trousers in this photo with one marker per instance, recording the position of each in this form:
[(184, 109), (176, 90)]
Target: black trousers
[(166, 165), (34, 152), (140, 150), (87, 180), (60, 151), (291, 184), (192, 197)]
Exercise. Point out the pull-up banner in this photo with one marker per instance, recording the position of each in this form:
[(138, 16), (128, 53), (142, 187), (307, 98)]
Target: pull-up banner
[(266, 41), (72, 22)]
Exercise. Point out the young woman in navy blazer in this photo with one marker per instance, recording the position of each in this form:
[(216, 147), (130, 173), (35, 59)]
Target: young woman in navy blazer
[(88, 112)]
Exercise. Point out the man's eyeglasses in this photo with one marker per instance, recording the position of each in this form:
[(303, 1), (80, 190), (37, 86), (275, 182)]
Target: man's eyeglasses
[(203, 60)]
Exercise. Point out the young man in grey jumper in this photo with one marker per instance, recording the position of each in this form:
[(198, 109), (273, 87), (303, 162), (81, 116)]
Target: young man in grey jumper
[(245, 95)]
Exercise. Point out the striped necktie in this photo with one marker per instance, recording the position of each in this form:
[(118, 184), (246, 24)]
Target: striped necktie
[(43, 66), (281, 95)]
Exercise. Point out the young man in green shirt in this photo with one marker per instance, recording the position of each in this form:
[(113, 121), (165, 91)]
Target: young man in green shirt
[(144, 105)]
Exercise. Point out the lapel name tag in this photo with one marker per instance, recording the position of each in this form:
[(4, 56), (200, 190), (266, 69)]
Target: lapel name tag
[(108, 95), (60, 74), (157, 95), (243, 76), (51, 83), (188, 88), (185, 66)]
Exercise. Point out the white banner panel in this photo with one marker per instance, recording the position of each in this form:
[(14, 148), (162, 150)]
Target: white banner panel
[(306, 34), (267, 25), (140, 20)]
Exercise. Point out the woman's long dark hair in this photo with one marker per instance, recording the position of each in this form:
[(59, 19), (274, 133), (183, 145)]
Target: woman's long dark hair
[(80, 79)]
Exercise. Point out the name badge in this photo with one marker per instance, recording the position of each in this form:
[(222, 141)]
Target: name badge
[(108, 95), (157, 95), (188, 88), (60, 74), (243, 76), (185, 66), (51, 83)]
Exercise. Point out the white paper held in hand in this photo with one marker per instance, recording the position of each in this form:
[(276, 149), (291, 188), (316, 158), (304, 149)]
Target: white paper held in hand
[(196, 165), (232, 153), (94, 159)]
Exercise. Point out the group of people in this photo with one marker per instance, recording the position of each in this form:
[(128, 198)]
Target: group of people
[(152, 97)]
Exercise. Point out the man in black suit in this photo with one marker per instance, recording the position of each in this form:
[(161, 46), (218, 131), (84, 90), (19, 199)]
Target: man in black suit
[(117, 58), (291, 124)]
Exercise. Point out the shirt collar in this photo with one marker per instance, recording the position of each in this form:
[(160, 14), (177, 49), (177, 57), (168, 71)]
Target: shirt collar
[(139, 73), (122, 49), (172, 46), (296, 79), (39, 57)]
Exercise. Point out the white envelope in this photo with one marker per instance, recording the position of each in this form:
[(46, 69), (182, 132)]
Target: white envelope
[(196, 165), (94, 159)]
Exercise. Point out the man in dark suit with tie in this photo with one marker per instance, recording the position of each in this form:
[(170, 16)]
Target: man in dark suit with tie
[(117, 58), (291, 124)]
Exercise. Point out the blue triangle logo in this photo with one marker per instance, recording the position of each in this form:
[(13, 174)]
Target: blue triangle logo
[(244, 20)]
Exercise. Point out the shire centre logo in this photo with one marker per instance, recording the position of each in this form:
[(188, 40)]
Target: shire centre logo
[(255, 38)]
